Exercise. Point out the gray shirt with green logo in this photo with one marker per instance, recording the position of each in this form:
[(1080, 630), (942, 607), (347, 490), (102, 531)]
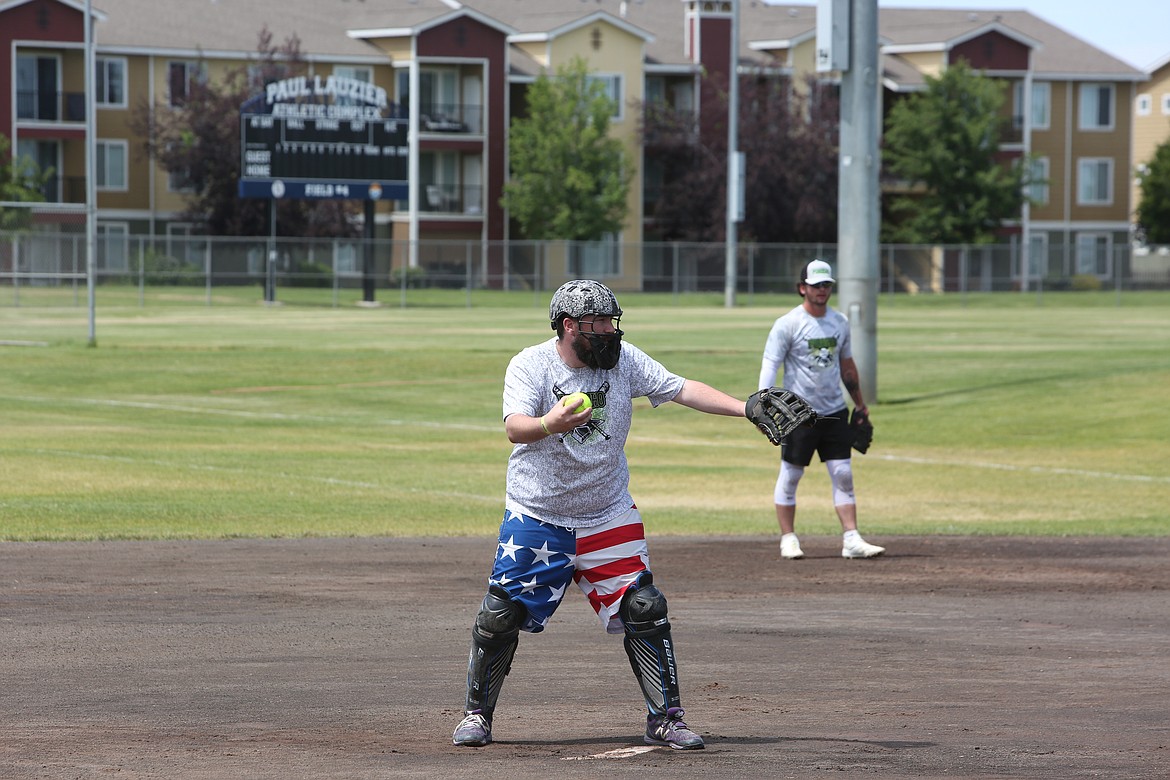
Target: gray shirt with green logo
[(578, 479)]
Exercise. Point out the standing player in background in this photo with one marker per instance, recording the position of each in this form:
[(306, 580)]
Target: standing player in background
[(812, 344), (568, 514)]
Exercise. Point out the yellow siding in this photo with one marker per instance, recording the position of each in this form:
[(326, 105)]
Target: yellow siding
[(610, 50), (930, 63), (1149, 132)]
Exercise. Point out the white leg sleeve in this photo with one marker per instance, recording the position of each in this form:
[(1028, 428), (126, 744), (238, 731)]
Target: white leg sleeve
[(786, 483), (841, 473)]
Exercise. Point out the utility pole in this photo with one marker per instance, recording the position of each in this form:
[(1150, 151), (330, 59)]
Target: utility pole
[(734, 164), (90, 177), (859, 197)]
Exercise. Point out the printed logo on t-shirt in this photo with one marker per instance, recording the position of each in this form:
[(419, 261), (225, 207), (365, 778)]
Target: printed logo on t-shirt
[(821, 351), (594, 430)]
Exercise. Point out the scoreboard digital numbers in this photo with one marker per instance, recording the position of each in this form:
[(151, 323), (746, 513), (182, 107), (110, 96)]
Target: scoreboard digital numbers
[(323, 157)]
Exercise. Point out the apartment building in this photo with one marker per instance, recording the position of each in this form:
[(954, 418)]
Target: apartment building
[(460, 70), (1151, 118)]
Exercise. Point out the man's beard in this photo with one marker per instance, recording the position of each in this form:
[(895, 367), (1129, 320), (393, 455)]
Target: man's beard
[(601, 353)]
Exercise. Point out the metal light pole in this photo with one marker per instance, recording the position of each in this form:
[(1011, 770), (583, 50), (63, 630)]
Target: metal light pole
[(858, 199), (734, 174), (90, 175)]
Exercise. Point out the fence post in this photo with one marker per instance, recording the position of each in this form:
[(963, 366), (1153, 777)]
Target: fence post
[(141, 273), (674, 271), (207, 268), (333, 265), (467, 272)]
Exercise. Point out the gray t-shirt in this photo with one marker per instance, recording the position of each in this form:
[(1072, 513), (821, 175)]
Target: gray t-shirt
[(579, 479), (810, 349)]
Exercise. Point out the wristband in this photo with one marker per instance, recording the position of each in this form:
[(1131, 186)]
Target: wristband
[(544, 427)]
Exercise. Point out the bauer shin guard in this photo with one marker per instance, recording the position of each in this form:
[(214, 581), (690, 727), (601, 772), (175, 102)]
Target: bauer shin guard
[(648, 644)]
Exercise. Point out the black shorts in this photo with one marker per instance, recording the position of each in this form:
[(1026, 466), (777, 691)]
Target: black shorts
[(831, 438)]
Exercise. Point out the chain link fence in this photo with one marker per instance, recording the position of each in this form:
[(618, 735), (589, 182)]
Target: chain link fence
[(33, 260)]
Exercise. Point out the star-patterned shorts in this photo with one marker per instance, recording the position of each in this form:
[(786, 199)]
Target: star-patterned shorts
[(536, 560)]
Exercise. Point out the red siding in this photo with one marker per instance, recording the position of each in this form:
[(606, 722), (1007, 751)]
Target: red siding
[(992, 51), (466, 37), (38, 20)]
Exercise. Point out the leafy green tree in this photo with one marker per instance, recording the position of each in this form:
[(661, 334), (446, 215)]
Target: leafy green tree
[(570, 179), (944, 143), (20, 182), (200, 141), (1153, 212)]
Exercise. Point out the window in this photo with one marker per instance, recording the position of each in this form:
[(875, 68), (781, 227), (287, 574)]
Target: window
[(183, 246), (111, 81), (1166, 104), (1093, 254), (593, 259), (1041, 104), (655, 89), (1037, 191), (1096, 107), (613, 90), (1037, 255), (438, 174), (347, 259), (1144, 104), (110, 161), (1094, 181), (37, 87), (113, 246), (180, 181), (180, 77)]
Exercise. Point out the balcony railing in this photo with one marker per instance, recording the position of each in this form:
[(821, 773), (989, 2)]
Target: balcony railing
[(448, 199), (47, 106), (450, 118), (64, 189)]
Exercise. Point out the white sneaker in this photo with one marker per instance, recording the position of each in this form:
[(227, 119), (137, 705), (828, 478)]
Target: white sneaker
[(790, 547), (859, 548)]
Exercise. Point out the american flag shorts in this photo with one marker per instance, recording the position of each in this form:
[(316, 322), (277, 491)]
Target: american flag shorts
[(535, 562)]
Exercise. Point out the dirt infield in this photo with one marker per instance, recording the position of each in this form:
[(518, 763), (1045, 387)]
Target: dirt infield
[(949, 657)]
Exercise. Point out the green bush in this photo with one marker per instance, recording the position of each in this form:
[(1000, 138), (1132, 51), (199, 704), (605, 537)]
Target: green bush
[(414, 278), (1085, 282), (306, 274), (162, 269)]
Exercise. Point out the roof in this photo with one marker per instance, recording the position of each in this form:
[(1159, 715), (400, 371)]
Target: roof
[(232, 27), (327, 30)]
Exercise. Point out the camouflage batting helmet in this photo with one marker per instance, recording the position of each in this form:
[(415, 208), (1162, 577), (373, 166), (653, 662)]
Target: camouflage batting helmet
[(580, 297)]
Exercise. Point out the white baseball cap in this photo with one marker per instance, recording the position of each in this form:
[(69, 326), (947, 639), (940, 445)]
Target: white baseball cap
[(818, 271)]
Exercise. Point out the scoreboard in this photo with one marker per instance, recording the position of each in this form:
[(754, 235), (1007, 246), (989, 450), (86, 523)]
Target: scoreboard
[(323, 157)]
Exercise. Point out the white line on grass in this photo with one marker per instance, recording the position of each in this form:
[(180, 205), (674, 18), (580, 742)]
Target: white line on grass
[(205, 410), (243, 472), (1029, 469)]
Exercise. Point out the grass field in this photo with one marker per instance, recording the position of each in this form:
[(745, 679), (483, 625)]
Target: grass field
[(212, 415)]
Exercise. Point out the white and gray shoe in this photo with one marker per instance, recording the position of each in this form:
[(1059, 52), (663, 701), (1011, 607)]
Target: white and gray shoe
[(790, 547)]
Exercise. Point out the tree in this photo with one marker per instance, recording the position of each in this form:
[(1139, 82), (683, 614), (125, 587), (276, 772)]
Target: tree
[(200, 142), (570, 180), (789, 140), (1153, 212), (944, 144), (20, 182)]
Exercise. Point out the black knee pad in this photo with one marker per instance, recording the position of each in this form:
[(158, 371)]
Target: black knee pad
[(643, 608), (499, 619)]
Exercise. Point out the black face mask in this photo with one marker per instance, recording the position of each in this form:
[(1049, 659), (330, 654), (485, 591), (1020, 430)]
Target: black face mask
[(604, 349)]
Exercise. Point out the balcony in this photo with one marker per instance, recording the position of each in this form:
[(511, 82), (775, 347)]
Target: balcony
[(64, 189), (450, 199), (450, 118), (1012, 132), (46, 106)]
